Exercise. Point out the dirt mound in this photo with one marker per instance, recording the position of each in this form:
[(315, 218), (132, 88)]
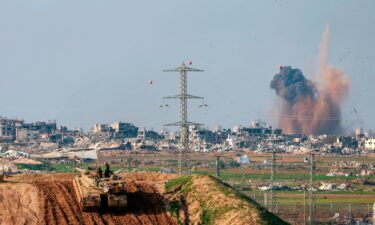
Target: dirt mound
[(201, 199), (24, 160), (152, 199), (53, 202), (147, 176)]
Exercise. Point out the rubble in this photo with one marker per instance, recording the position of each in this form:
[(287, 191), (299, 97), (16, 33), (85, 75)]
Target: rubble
[(333, 186)]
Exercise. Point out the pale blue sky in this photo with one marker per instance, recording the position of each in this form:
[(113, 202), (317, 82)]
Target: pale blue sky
[(82, 62)]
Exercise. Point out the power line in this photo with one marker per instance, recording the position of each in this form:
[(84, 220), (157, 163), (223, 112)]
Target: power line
[(312, 191), (273, 171), (218, 167)]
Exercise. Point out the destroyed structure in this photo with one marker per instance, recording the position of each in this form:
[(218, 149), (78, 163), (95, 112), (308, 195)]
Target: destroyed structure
[(47, 136), (47, 141)]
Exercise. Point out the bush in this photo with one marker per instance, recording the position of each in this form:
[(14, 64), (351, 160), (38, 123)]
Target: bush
[(234, 164)]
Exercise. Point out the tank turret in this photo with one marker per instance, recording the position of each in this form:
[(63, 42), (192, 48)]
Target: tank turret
[(95, 191)]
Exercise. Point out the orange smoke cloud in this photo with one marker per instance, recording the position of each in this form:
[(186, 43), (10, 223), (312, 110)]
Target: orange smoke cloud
[(308, 107)]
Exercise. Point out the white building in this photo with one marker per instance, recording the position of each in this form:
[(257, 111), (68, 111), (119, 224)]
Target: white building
[(370, 144), (14, 153), (232, 140)]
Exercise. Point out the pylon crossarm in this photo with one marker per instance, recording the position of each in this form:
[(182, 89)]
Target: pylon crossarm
[(183, 68), (179, 97), (182, 124)]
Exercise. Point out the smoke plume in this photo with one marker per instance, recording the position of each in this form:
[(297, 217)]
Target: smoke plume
[(311, 107)]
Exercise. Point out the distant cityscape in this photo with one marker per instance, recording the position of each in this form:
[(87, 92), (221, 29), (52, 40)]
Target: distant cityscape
[(45, 137)]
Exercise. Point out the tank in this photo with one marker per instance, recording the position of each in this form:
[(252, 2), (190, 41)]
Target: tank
[(97, 192)]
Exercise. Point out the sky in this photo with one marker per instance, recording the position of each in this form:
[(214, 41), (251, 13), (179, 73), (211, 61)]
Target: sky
[(89, 61)]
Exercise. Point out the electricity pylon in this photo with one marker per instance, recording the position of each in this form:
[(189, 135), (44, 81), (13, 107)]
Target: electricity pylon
[(183, 158)]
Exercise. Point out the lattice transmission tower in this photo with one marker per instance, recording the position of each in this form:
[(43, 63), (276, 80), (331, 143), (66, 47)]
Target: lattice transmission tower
[(183, 96)]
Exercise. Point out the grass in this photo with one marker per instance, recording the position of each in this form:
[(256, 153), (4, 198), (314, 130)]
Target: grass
[(175, 207), (208, 216), (294, 197), (229, 176), (53, 167), (323, 200), (259, 192), (152, 169), (267, 217), (183, 184), (22, 166), (183, 181), (69, 168), (62, 167)]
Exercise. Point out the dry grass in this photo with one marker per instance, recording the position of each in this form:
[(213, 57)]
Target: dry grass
[(210, 201)]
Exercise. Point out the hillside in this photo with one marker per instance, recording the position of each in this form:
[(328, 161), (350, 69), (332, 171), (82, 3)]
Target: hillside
[(202, 199), (152, 199)]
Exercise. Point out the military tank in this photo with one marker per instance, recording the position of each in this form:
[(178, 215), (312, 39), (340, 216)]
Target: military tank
[(98, 191)]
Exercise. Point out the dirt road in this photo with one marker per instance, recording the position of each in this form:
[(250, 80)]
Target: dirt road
[(50, 199)]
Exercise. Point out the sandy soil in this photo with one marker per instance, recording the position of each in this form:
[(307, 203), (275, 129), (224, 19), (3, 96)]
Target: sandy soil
[(50, 199), (18, 199), (204, 199), (214, 197), (25, 160)]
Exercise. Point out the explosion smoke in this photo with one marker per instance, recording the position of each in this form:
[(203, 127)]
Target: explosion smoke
[(308, 107)]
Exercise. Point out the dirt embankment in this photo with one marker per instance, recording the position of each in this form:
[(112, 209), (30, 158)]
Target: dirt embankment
[(152, 199), (50, 199), (18, 204), (201, 199)]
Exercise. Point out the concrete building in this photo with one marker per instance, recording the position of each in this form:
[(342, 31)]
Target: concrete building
[(148, 135), (42, 127), (101, 128), (24, 135), (198, 134), (257, 131), (126, 130), (349, 142), (370, 144), (118, 126), (121, 127), (8, 128)]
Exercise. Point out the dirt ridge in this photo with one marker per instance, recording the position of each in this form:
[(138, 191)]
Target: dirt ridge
[(153, 198)]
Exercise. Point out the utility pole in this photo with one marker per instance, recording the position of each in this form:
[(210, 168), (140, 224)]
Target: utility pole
[(273, 168), (218, 167), (304, 206), (129, 160), (183, 158), (312, 194)]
